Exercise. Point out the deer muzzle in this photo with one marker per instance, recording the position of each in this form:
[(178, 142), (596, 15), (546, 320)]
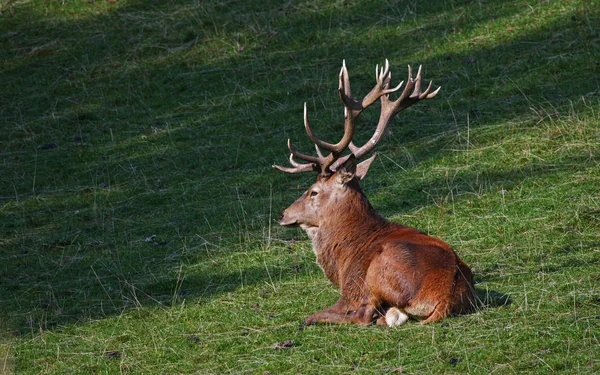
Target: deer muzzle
[(286, 220)]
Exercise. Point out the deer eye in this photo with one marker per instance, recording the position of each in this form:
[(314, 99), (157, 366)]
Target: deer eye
[(313, 193)]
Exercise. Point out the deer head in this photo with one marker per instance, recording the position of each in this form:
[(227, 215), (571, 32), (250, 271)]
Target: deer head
[(337, 173)]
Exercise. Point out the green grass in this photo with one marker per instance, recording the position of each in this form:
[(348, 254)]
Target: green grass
[(138, 205)]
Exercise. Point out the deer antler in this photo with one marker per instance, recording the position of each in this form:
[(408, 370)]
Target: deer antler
[(325, 165)]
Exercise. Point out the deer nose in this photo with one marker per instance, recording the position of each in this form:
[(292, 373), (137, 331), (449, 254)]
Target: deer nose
[(286, 219)]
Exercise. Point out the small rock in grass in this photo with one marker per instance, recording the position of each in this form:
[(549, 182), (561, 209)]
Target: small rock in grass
[(193, 338), (283, 345), (454, 361), (112, 355)]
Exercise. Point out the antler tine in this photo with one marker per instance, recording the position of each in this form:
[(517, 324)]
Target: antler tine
[(410, 84), (385, 77), (299, 167), (381, 75), (345, 80), (293, 162), (299, 155), (424, 94), (319, 152), (417, 82), (433, 94), (344, 88), (335, 148)]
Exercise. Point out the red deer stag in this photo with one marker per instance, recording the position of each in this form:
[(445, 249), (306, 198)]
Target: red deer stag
[(386, 272)]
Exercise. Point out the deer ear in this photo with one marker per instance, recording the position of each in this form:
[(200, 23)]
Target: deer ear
[(363, 167), (346, 172)]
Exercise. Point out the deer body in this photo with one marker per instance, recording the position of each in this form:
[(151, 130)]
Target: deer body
[(386, 272), (378, 265)]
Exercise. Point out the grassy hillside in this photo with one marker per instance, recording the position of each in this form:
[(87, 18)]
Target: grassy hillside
[(138, 205)]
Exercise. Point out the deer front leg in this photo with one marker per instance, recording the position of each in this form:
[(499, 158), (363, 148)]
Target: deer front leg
[(332, 314), (341, 313)]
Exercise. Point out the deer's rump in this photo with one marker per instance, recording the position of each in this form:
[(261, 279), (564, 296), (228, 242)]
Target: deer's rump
[(420, 278)]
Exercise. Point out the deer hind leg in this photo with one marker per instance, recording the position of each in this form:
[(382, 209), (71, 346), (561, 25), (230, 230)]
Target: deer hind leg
[(440, 311), (340, 313), (326, 316), (365, 315)]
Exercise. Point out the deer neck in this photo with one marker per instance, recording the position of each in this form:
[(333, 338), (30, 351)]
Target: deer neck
[(348, 229)]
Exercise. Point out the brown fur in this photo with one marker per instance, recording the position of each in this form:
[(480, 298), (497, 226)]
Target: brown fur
[(377, 264)]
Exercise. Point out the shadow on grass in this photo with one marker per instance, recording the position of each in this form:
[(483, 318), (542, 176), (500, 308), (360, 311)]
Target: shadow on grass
[(489, 299), (154, 129)]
